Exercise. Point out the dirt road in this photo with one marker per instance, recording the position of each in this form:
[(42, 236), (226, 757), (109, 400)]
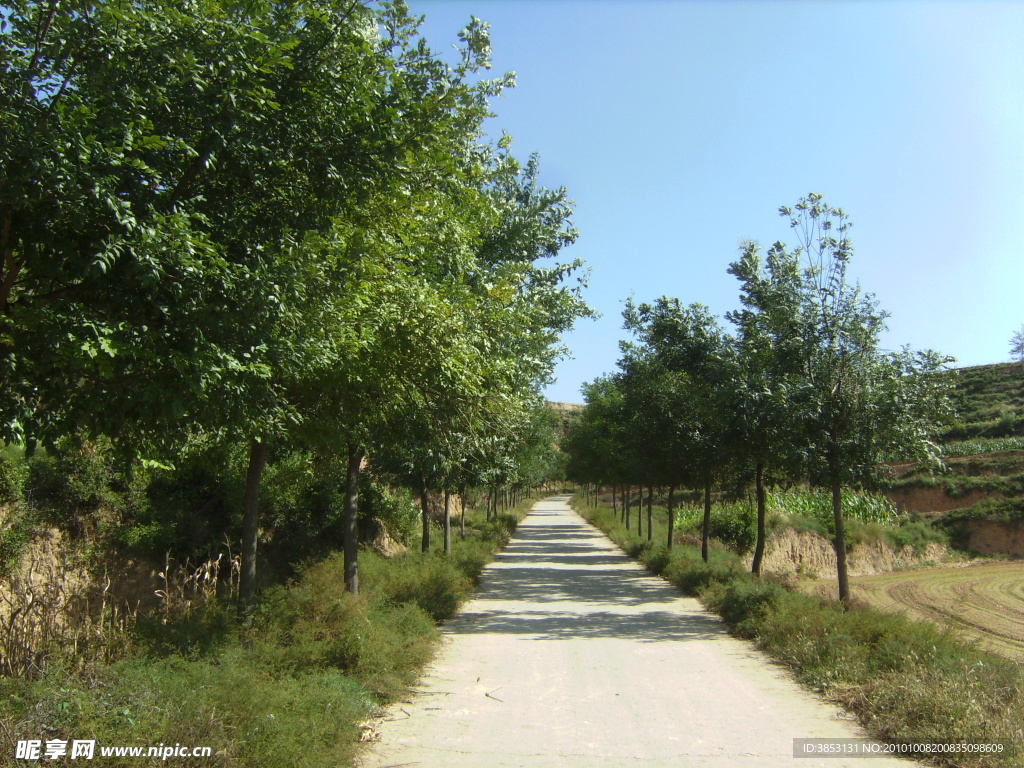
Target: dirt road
[(571, 655)]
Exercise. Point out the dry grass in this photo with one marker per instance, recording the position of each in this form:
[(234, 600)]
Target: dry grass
[(49, 606)]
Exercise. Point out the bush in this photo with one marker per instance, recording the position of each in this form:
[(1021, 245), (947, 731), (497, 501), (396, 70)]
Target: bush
[(917, 535), (741, 601), (16, 531), (430, 581), (13, 476), (735, 524), (74, 479), (394, 507)]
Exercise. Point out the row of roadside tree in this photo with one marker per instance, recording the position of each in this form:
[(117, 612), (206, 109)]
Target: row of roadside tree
[(277, 225), (800, 391)]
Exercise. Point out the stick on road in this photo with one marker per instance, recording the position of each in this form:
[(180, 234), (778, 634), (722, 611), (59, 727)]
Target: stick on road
[(572, 655)]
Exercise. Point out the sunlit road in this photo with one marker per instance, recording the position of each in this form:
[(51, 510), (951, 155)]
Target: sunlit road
[(571, 655)]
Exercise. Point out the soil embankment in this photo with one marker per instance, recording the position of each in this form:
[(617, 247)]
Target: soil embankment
[(808, 555)]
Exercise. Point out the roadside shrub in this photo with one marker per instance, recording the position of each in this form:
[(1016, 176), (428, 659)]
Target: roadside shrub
[(13, 476), (471, 555), (735, 524), (499, 528), (394, 507), (742, 601), (656, 559), (637, 548), (430, 581), (688, 571), (917, 535)]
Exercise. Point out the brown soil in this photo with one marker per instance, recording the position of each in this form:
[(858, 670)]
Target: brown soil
[(989, 537), (808, 554), (931, 500), (983, 602)]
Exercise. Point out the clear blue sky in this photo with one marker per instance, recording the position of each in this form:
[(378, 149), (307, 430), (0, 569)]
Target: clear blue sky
[(679, 128)]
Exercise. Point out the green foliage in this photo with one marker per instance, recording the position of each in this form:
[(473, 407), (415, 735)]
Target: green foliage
[(316, 624), (17, 528), (978, 446), (735, 524), (742, 601), (428, 580), (13, 475), (74, 478), (394, 507), (917, 534), (816, 504)]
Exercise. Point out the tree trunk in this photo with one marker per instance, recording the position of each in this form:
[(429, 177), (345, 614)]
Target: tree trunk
[(251, 523), (615, 509), (425, 507), (462, 497), (650, 513), (355, 461), (840, 541), (671, 515), (625, 506), (759, 547), (640, 513), (447, 523), (705, 533)]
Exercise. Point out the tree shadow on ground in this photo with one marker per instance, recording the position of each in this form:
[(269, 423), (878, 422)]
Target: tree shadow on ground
[(555, 581)]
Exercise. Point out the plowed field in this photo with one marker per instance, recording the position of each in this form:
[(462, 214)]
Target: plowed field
[(984, 602)]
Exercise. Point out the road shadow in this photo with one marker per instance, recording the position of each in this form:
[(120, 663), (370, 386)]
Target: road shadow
[(559, 580), (646, 627)]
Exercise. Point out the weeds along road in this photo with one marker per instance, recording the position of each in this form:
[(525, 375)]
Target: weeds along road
[(571, 655)]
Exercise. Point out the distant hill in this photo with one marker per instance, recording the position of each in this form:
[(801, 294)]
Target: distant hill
[(980, 498), (990, 401), (567, 415)]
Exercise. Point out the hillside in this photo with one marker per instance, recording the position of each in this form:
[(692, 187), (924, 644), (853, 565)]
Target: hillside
[(567, 414), (979, 499)]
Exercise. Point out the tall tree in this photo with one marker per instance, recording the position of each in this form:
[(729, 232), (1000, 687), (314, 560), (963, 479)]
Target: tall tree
[(763, 431), (686, 350), (856, 403)]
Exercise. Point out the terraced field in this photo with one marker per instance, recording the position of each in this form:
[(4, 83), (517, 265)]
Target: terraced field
[(983, 602)]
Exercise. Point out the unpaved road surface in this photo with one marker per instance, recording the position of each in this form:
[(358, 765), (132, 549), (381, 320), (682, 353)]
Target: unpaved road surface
[(571, 655)]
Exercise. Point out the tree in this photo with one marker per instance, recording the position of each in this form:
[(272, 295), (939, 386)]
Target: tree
[(245, 181), (855, 403), (763, 431), (1017, 345), (686, 359)]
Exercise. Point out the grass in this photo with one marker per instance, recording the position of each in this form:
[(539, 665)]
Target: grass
[(905, 681), (288, 688), (990, 402)]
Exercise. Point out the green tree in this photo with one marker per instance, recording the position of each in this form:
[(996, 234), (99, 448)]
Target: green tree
[(686, 351), (1017, 345), (856, 403), (216, 150), (764, 433)]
